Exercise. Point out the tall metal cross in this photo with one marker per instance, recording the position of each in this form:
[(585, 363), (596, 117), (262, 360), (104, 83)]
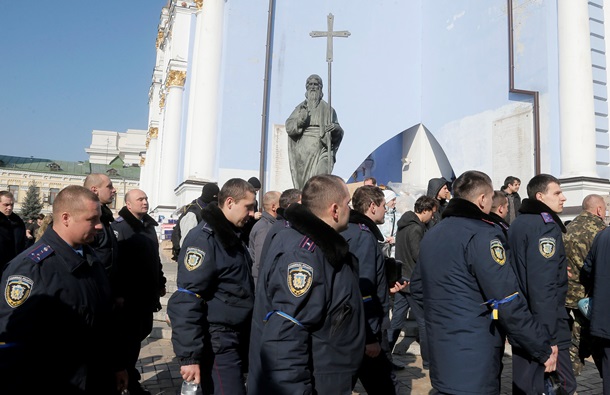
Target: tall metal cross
[(329, 34)]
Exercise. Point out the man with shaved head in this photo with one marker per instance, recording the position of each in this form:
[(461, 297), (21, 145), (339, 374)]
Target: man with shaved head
[(105, 244), (271, 202), (308, 333), (57, 306), (578, 239), (138, 280)]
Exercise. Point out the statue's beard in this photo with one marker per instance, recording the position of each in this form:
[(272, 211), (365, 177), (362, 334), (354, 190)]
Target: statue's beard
[(313, 98)]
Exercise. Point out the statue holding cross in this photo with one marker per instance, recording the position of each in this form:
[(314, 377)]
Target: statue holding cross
[(313, 128)]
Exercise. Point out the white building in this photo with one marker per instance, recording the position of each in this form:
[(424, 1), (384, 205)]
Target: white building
[(506, 87), (106, 146)]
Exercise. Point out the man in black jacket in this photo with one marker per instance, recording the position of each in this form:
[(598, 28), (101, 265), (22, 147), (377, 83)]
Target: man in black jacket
[(212, 308), (536, 241), (438, 188), (105, 244), (411, 229), (138, 278), (12, 230)]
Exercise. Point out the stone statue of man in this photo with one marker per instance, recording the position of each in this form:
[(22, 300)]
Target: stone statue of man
[(310, 128)]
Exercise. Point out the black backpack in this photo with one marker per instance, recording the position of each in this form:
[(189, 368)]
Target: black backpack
[(192, 207)]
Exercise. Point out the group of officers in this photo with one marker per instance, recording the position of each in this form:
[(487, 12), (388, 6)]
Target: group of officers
[(315, 321)]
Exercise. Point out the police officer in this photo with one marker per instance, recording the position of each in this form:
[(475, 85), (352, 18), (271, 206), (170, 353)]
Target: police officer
[(535, 238), (308, 323), (54, 317), (212, 308), (470, 295), (364, 237)]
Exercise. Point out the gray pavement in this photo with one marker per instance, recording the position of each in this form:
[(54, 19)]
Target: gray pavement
[(161, 371)]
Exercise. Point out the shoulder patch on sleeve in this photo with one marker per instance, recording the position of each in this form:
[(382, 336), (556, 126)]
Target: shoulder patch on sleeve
[(546, 246), (497, 251), (547, 218), (300, 277), (18, 289), (40, 253), (308, 244), (363, 227), (193, 258)]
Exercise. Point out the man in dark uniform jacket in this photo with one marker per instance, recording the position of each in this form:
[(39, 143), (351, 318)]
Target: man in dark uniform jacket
[(105, 244), (535, 238), (138, 279), (12, 230), (470, 295), (54, 317), (308, 332), (594, 276), (363, 237), (212, 308)]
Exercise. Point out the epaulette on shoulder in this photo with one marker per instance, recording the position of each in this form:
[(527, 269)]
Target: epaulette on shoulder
[(207, 228), (286, 224), (488, 221), (547, 218), (365, 228), (39, 253), (307, 244), (119, 219)]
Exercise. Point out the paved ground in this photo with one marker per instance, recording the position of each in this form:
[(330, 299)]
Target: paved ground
[(161, 372)]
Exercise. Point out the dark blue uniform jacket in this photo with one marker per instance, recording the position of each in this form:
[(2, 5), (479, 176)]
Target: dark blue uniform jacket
[(215, 285), (363, 237), (463, 263), (595, 275), (56, 313), (536, 241), (308, 325)]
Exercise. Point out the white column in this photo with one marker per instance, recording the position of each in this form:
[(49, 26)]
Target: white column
[(577, 113), (202, 134), (171, 138)]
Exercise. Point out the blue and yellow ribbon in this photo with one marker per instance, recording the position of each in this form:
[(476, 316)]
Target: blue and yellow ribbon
[(494, 304)]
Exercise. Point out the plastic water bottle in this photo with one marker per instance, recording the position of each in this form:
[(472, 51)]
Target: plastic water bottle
[(189, 388)]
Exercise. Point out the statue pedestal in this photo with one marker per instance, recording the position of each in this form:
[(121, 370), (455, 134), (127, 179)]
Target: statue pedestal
[(279, 165)]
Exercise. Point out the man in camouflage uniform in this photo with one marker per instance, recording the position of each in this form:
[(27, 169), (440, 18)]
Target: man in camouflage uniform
[(577, 240)]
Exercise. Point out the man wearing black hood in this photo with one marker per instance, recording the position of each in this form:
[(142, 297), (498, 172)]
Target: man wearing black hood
[(438, 188)]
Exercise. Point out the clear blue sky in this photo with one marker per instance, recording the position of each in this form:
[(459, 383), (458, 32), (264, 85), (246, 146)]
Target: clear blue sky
[(71, 66)]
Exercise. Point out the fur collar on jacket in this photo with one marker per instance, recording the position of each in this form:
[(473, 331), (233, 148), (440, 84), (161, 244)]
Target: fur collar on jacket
[(227, 233), (135, 223), (107, 218), (356, 217), (459, 207), (534, 206), (332, 244)]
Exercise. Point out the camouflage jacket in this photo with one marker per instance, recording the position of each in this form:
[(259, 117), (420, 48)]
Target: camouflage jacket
[(577, 241)]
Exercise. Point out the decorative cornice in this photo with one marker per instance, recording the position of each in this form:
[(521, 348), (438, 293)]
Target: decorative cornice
[(162, 101), (159, 38), (199, 4), (153, 132), (175, 78)]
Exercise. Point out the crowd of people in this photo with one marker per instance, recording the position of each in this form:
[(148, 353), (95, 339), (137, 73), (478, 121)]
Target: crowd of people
[(310, 294)]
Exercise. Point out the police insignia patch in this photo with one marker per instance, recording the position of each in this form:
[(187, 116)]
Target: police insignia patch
[(497, 251), (193, 258), (300, 277), (18, 289), (546, 246)]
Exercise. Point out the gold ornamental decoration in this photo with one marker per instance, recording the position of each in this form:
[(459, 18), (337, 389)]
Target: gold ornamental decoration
[(153, 132), (142, 161), (162, 101), (175, 78), (159, 38), (199, 4)]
